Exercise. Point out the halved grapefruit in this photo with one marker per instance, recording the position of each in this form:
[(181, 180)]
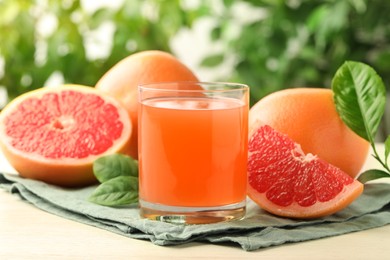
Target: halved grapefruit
[(55, 134), (286, 182)]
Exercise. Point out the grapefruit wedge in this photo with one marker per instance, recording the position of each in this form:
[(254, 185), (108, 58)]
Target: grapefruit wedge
[(286, 182), (55, 134)]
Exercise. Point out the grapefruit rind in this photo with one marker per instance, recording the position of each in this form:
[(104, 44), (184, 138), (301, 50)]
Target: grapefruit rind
[(64, 171), (309, 117), (274, 160), (320, 209)]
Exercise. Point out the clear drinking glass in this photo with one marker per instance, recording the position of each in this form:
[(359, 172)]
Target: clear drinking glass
[(193, 151)]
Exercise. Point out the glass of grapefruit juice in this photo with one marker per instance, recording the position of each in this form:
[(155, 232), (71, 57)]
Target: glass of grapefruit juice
[(193, 151)]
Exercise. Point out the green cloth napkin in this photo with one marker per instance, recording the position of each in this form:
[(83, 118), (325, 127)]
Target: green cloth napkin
[(257, 230)]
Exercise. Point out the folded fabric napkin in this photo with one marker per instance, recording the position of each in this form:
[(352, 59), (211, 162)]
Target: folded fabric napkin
[(257, 230)]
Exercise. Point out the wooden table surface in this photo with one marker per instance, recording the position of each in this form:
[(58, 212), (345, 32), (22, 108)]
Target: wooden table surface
[(27, 232)]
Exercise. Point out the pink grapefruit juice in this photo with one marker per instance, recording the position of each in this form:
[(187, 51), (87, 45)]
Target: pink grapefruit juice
[(193, 151)]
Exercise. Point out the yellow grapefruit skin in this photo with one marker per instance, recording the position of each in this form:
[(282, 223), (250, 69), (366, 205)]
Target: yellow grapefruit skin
[(59, 146)]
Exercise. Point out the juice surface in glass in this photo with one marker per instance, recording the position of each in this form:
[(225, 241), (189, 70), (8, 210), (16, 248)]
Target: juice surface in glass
[(193, 151)]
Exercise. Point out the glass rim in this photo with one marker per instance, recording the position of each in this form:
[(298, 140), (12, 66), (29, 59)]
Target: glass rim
[(234, 86)]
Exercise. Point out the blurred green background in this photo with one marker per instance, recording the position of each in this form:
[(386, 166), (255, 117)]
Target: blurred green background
[(267, 44)]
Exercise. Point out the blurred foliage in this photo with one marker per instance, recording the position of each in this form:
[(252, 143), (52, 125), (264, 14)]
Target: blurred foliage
[(302, 43), (277, 44), (64, 50)]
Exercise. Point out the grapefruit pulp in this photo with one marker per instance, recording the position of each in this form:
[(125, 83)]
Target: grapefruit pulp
[(55, 134), (309, 117), (141, 68), (286, 182)]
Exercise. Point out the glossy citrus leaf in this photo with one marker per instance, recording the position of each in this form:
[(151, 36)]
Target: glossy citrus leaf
[(372, 175), (360, 96)]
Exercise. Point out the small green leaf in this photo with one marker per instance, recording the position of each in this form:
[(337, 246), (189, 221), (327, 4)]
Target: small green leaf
[(216, 33), (316, 17), (212, 61), (372, 174), (99, 17), (228, 3), (387, 148), (360, 96), (118, 191), (112, 166)]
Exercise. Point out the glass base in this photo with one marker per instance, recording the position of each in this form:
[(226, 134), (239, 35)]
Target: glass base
[(192, 215)]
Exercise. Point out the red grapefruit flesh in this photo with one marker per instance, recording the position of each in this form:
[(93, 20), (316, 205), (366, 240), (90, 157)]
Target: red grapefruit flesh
[(284, 181), (54, 135)]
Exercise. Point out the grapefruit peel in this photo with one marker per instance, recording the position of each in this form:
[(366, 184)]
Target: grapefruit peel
[(63, 171), (288, 183)]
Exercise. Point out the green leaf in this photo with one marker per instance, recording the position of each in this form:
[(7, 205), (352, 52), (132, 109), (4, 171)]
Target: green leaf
[(216, 33), (316, 18), (99, 17), (118, 191), (212, 61), (228, 3), (360, 96), (112, 166), (387, 148), (372, 174)]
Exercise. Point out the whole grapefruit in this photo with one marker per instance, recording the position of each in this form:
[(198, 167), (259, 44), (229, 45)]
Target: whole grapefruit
[(55, 134), (309, 117), (285, 181), (145, 67)]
